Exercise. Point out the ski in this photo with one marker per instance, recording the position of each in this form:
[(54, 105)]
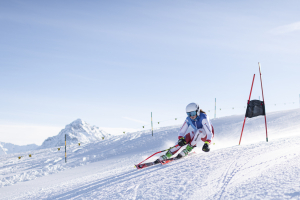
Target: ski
[(163, 162), (141, 166), (144, 165)]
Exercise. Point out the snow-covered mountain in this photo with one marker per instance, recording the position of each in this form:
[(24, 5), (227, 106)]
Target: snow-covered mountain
[(77, 131), (7, 148)]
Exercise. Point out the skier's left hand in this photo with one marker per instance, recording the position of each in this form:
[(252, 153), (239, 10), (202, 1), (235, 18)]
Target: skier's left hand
[(181, 142), (205, 147)]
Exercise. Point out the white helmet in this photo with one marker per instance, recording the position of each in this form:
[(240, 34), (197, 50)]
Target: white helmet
[(192, 107)]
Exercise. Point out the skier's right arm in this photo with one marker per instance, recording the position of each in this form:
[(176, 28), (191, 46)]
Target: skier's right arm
[(183, 129)]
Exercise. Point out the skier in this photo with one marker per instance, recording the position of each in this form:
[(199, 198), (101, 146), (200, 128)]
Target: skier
[(203, 129)]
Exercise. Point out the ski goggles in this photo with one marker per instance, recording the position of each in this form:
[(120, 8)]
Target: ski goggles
[(191, 114)]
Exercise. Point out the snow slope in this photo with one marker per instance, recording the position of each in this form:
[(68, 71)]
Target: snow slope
[(104, 169)]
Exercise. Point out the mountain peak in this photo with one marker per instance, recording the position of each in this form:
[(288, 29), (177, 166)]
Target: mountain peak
[(76, 131), (78, 122)]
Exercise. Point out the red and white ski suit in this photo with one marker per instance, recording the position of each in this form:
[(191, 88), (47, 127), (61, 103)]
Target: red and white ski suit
[(203, 130)]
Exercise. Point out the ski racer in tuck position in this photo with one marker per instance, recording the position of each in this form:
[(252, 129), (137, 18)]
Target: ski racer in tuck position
[(203, 130)]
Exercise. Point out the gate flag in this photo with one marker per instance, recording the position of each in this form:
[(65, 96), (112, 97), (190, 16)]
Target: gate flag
[(255, 108)]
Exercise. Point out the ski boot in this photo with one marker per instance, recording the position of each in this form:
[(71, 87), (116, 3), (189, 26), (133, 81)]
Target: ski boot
[(164, 157), (185, 151)]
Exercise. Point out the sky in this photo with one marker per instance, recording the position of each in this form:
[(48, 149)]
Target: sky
[(112, 63)]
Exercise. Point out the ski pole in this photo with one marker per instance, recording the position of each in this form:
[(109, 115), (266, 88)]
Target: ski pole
[(157, 153)]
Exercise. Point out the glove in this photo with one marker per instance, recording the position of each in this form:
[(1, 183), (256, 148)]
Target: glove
[(205, 147), (181, 142)]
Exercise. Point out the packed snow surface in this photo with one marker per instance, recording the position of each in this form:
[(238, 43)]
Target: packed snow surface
[(104, 169)]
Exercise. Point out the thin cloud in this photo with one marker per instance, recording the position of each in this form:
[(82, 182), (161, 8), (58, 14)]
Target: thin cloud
[(135, 120), (286, 28)]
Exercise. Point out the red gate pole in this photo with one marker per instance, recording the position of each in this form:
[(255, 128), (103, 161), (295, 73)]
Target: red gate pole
[(262, 91), (248, 103)]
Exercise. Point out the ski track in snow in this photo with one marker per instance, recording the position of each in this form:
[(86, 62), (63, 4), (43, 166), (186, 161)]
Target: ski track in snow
[(104, 170)]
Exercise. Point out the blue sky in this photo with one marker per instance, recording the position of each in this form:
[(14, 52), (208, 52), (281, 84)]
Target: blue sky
[(111, 63)]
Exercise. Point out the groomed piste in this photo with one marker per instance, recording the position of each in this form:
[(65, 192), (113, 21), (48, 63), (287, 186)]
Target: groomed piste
[(256, 169)]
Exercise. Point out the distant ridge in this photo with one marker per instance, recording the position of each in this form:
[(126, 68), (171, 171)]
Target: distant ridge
[(7, 148), (2, 150)]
